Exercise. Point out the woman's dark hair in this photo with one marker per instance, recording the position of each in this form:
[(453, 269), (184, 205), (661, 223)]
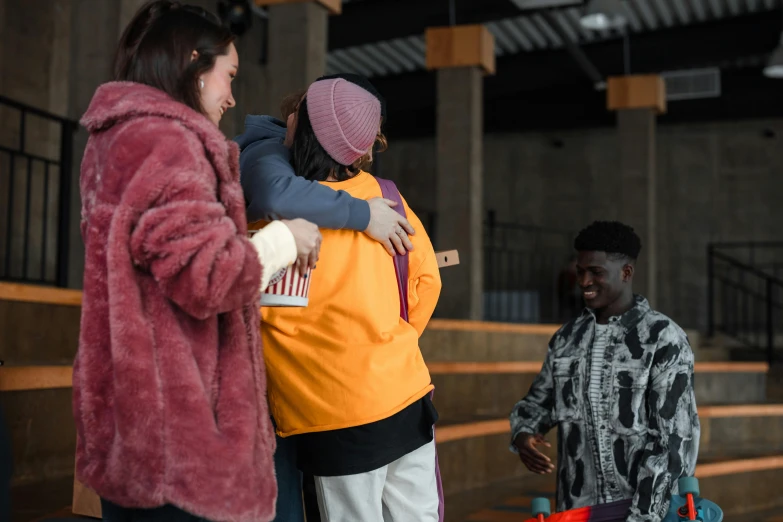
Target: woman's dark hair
[(157, 46), (311, 161)]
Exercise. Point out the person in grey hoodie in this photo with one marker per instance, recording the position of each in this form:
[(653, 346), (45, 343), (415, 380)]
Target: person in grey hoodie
[(273, 191)]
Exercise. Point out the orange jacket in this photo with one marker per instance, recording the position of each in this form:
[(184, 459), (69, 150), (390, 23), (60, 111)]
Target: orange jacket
[(348, 359)]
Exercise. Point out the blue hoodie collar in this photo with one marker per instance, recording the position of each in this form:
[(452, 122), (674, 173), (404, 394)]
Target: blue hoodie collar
[(261, 128)]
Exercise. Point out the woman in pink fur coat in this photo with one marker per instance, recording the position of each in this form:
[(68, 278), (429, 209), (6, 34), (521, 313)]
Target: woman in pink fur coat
[(169, 384)]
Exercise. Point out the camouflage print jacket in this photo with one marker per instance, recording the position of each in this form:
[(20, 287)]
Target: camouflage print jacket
[(646, 434)]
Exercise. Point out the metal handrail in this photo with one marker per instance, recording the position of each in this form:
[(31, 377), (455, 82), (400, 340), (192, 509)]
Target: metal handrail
[(771, 283), (8, 102), (748, 244), (746, 267), (19, 155)]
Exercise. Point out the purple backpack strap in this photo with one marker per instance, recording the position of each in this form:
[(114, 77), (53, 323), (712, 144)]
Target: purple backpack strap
[(389, 191)]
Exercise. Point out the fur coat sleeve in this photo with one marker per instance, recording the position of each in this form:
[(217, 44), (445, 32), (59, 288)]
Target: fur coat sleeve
[(183, 235)]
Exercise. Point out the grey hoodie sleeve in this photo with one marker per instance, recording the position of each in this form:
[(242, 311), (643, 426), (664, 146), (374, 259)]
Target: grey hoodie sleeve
[(273, 191)]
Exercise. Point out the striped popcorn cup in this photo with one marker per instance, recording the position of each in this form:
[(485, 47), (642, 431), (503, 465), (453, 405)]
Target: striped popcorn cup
[(287, 288)]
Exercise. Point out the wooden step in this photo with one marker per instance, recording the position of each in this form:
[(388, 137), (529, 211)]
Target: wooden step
[(37, 405), (765, 515), (740, 486), (464, 341), (740, 430), (726, 430), (33, 331), (470, 389), (474, 455)]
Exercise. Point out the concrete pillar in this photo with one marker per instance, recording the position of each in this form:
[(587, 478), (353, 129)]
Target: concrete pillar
[(460, 194), (249, 87), (297, 49), (462, 56), (636, 132), (638, 100)]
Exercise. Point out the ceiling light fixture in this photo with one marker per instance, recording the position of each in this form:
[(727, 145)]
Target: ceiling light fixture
[(774, 68), (604, 14)]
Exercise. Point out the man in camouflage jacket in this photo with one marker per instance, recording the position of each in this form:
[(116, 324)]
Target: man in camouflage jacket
[(618, 383)]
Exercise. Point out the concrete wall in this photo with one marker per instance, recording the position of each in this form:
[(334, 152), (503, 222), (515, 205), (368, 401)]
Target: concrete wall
[(53, 55), (34, 59), (717, 181)]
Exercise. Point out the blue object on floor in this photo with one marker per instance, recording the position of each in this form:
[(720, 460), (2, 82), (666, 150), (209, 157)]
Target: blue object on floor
[(540, 506), (707, 511)]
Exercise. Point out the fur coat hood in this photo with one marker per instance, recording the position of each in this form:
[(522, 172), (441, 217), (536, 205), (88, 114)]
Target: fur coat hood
[(169, 384)]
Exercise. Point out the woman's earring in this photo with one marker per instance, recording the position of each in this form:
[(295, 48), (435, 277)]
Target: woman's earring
[(201, 84)]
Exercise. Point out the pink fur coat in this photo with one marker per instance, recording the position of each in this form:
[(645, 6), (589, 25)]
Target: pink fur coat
[(169, 384)]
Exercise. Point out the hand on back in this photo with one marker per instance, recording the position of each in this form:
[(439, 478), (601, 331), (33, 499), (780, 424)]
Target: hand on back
[(388, 227)]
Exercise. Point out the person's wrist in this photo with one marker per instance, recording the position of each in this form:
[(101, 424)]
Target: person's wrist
[(359, 216), (520, 439)]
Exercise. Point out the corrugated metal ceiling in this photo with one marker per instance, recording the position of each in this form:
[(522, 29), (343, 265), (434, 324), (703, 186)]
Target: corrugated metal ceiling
[(531, 32)]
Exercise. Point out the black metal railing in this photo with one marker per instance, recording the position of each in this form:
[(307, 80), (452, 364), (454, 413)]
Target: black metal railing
[(36, 150), (529, 275), (745, 294)]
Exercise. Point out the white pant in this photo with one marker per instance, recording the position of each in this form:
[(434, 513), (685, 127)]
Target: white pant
[(403, 491)]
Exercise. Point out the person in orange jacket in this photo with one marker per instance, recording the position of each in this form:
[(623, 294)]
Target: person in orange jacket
[(347, 380)]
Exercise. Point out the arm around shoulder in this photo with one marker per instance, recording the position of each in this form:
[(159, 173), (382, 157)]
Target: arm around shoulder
[(274, 191)]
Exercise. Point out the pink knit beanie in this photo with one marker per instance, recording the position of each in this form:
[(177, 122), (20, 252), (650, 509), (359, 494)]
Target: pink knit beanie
[(345, 118)]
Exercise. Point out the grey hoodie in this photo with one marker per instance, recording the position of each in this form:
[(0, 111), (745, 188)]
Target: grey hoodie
[(273, 190)]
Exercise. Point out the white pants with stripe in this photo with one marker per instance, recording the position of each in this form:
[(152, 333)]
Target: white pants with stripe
[(403, 491)]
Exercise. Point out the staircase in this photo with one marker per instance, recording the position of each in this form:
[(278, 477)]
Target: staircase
[(39, 329), (479, 369), (745, 299)]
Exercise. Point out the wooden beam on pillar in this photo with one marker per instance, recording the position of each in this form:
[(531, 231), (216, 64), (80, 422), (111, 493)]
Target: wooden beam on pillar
[(636, 92), (461, 46), (335, 7), (638, 101), (462, 55)]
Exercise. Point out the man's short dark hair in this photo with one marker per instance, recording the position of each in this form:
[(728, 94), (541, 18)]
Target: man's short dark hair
[(612, 237)]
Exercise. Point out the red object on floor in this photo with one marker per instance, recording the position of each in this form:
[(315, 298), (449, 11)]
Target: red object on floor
[(612, 512), (691, 508)]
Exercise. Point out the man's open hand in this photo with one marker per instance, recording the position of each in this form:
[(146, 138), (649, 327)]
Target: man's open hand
[(533, 459)]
